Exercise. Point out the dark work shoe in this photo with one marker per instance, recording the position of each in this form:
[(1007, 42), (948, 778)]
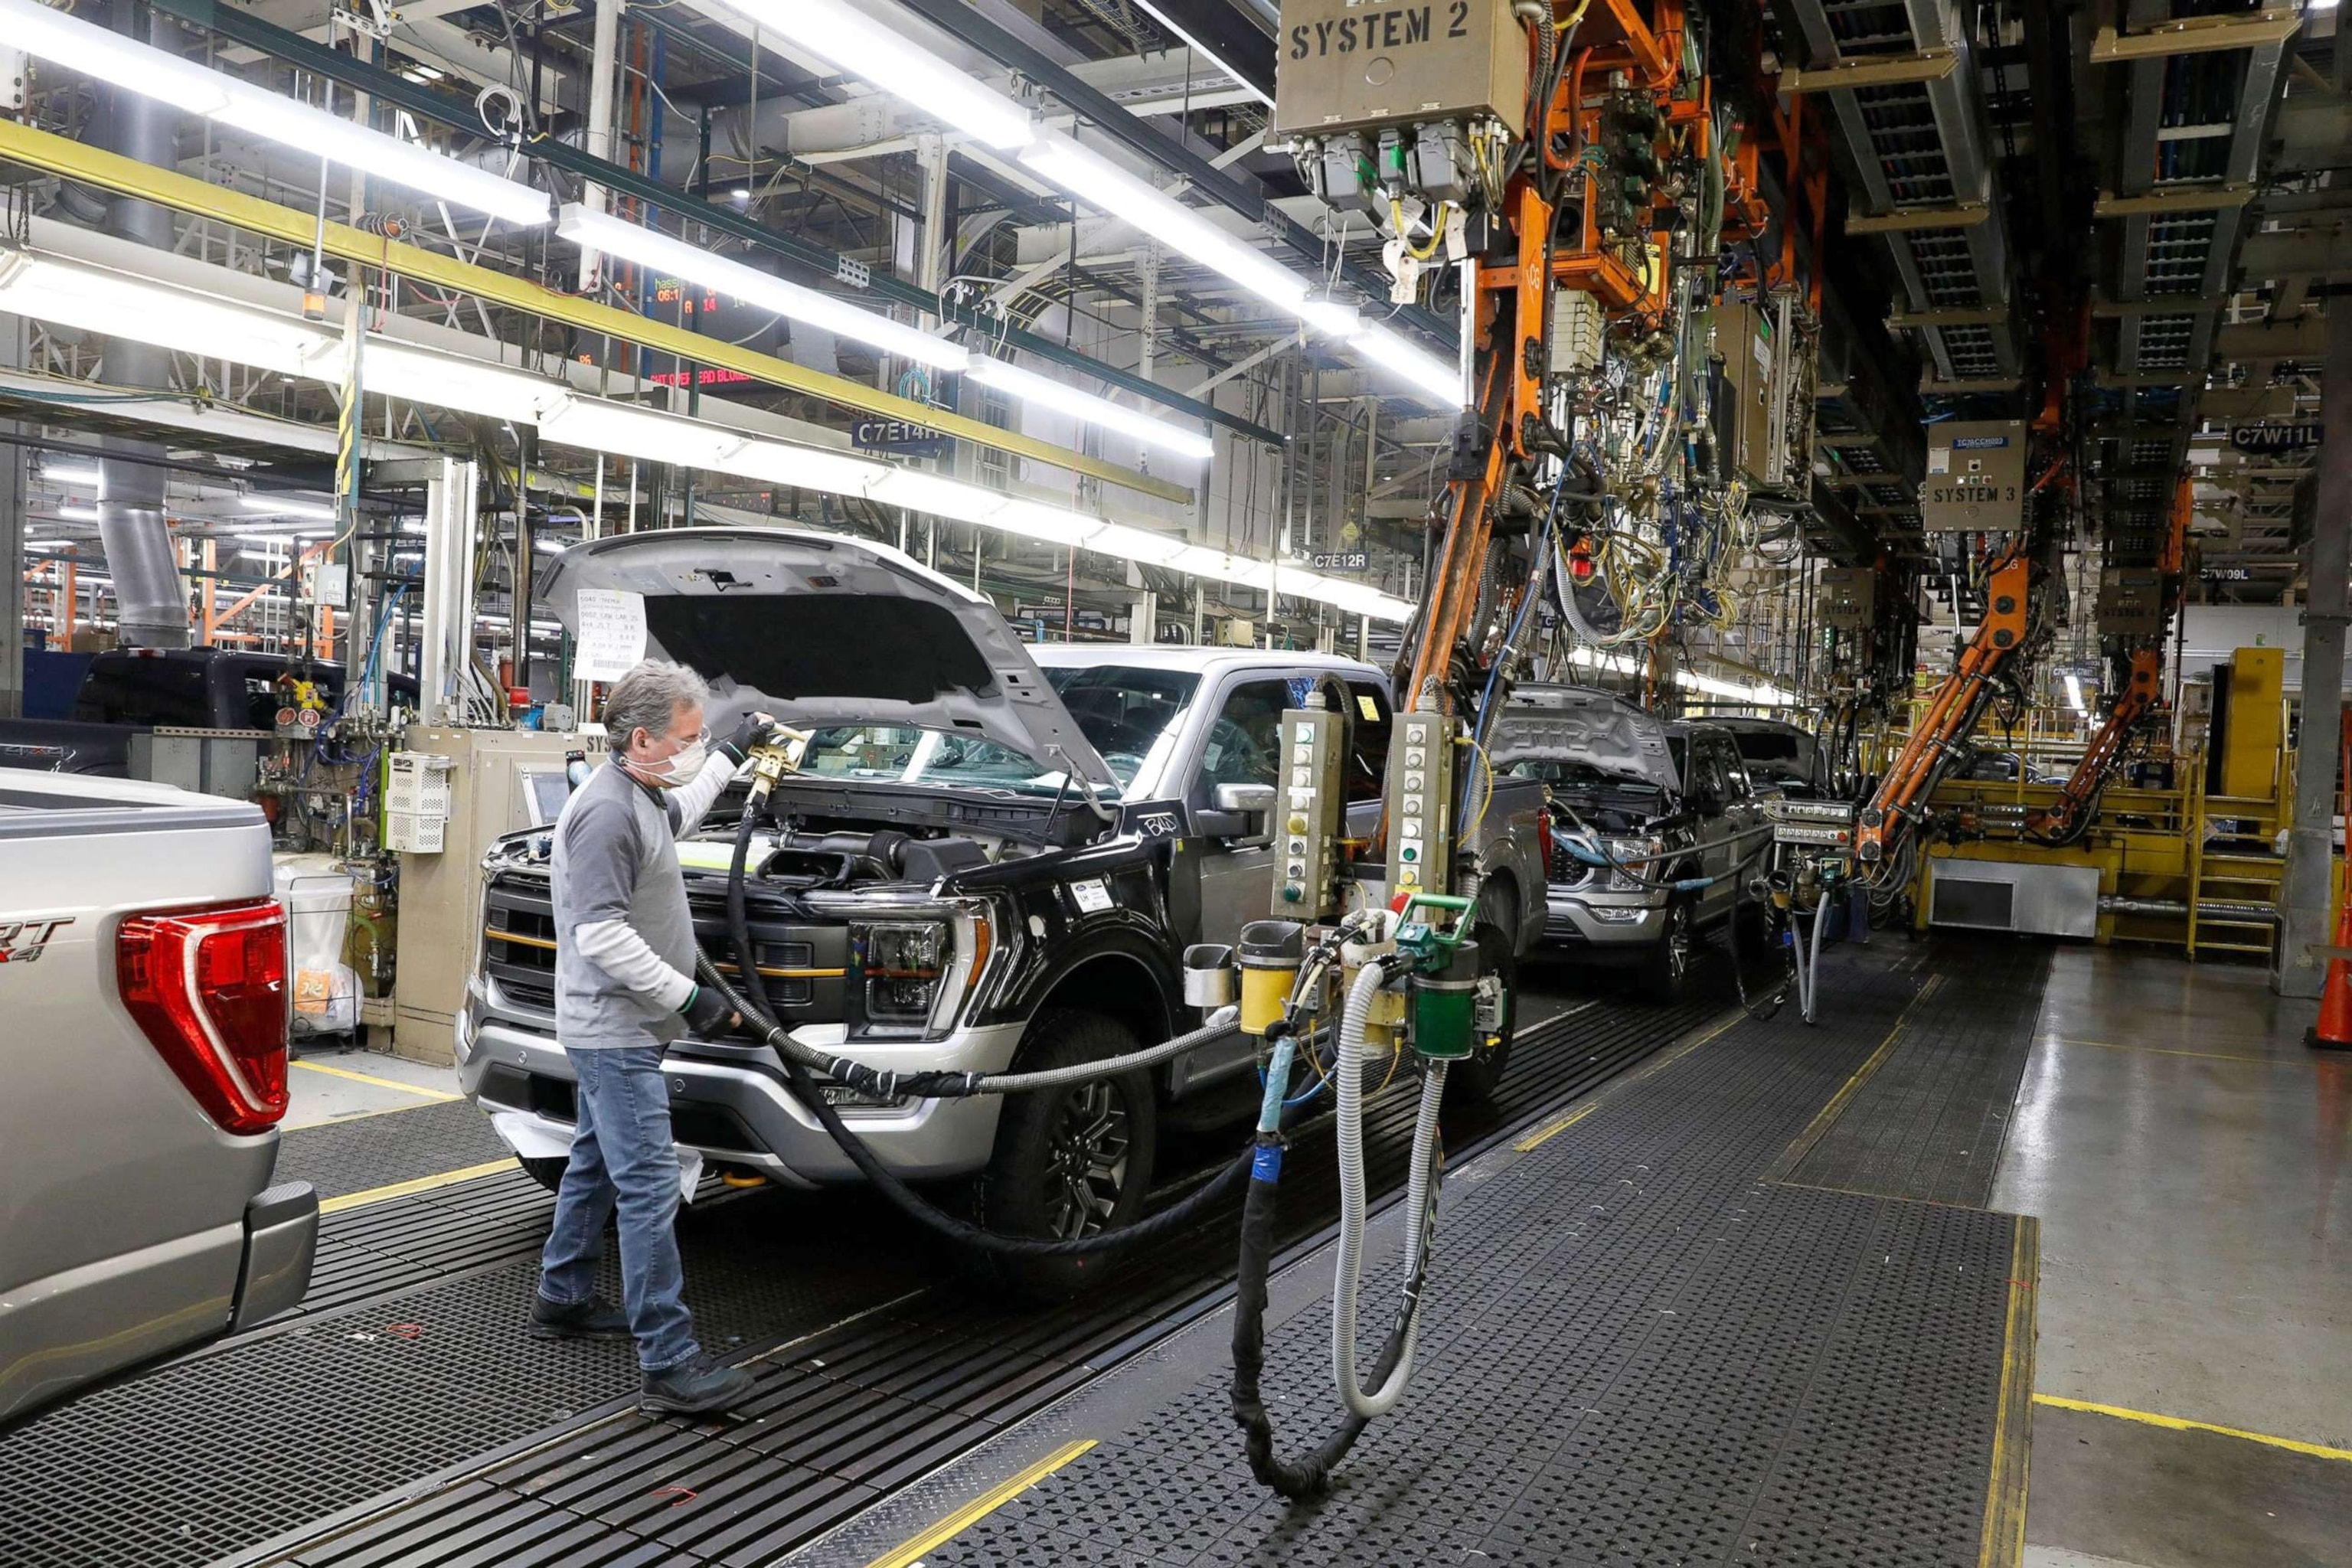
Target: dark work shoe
[(594, 1319), (697, 1386)]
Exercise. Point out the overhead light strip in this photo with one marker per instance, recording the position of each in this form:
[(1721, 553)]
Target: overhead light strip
[(861, 46), (764, 292), (70, 294), (134, 66)]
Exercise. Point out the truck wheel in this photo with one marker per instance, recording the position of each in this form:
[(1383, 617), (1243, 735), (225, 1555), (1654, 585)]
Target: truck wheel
[(1666, 969), (1473, 1081), (1069, 1163), (548, 1173)]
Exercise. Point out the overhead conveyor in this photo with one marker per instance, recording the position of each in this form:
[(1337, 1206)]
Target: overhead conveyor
[(1901, 83)]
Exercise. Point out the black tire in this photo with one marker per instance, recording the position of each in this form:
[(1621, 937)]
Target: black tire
[(548, 1173), (1665, 973), (1068, 1163), (1473, 1081)]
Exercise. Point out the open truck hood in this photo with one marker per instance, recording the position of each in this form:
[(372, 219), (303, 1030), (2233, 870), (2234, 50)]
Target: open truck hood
[(1581, 724), (820, 629)]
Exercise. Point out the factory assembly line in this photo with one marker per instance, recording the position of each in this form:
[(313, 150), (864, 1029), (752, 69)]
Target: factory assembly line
[(1437, 725)]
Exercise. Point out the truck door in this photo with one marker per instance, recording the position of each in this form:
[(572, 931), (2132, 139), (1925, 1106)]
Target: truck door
[(1242, 745), (1713, 760)]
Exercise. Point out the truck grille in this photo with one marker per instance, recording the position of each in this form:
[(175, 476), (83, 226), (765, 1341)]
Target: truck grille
[(802, 966)]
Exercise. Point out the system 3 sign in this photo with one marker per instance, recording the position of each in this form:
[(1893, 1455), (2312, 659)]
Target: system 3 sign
[(2270, 440)]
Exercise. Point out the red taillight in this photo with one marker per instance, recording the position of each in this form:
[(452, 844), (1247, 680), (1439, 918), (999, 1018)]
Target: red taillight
[(208, 989), (1543, 844)]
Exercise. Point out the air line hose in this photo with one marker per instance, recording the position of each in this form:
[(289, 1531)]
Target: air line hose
[(1420, 1194), (755, 1007)]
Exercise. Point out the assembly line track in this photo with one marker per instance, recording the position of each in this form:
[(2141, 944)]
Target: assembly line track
[(407, 1371)]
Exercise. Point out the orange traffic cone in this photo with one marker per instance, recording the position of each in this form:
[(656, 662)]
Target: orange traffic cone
[(2334, 1030)]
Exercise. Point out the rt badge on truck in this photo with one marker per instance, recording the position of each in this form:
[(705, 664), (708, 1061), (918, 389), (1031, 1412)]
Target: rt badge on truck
[(21, 941)]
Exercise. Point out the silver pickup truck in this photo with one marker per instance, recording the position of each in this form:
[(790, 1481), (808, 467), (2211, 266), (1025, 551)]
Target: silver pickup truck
[(993, 853), (142, 976), (1657, 829)]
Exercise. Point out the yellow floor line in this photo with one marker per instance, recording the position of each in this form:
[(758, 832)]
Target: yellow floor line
[(2003, 1543), (979, 1507), (2180, 1424), (417, 1090), (2169, 1051), (421, 1184), (1553, 1129), (1818, 1128)]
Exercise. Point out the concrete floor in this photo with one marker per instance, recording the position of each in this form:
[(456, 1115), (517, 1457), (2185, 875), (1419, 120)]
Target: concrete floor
[(2188, 1158), (329, 1085)]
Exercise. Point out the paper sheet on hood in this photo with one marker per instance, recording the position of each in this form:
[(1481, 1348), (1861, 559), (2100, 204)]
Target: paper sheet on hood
[(611, 637)]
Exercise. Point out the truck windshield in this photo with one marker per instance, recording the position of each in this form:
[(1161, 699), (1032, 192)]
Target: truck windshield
[(1123, 708), (1583, 778), (899, 754)]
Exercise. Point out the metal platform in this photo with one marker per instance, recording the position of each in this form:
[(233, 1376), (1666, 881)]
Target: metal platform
[(1636, 1351), (406, 1374)]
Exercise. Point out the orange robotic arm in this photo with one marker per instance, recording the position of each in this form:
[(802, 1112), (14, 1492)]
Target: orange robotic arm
[(1935, 740)]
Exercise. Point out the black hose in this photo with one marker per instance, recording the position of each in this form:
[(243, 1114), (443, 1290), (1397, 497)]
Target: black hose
[(755, 1006), (1309, 1477)]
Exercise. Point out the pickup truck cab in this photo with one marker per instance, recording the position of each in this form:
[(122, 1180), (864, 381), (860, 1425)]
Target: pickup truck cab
[(142, 974), (1638, 804), (987, 858)]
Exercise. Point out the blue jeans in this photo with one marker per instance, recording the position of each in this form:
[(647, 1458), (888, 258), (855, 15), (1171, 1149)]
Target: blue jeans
[(623, 1155)]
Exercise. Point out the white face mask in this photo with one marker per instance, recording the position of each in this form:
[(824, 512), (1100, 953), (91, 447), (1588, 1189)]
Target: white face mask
[(678, 770)]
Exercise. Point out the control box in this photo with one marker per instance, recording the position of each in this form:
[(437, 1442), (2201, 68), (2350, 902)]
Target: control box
[(1421, 803), (1306, 816), (1976, 478), (1848, 597), (1342, 65)]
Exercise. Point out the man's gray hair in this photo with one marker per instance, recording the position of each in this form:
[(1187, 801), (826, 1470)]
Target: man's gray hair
[(647, 699)]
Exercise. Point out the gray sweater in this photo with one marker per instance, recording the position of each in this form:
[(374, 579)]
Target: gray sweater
[(624, 935)]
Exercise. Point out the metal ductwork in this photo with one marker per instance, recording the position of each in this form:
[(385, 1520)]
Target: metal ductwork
[(150, 597)]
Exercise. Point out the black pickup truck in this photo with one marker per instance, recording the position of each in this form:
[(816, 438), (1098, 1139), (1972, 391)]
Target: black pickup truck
[(981, 862), (131, 691)]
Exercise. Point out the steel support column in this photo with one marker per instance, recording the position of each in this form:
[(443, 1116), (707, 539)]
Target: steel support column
[(12, 538), (2310, 844)]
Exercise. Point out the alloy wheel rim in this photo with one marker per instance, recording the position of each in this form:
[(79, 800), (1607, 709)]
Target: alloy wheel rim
[(1086, 1161)]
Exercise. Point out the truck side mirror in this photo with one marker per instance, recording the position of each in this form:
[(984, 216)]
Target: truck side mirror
[(1232, 808)]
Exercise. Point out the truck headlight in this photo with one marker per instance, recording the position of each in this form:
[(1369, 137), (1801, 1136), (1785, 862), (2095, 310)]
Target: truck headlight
[(1640, 860), (899, 965)]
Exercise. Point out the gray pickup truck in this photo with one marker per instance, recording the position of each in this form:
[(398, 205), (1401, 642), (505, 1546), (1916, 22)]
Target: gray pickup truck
[(984, 862), (143, 974), (1639, 804)]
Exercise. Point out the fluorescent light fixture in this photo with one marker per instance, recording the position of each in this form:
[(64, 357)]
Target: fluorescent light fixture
[(2074, 693), (650, 247), (1331, 318), (67, 474), (1100, 412), (125, 62), (861, 46), (1436, 380), (764, 292), (447, 381), (79, 514), (279, 506), (100, 299), (155, 313), (1108, 188)]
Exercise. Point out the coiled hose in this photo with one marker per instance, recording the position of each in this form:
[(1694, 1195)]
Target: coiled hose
[(1347, 1280), (754, 1006)]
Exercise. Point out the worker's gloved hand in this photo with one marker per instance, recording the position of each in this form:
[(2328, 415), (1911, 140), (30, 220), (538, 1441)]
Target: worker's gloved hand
[(756, 729), (708, 1013)]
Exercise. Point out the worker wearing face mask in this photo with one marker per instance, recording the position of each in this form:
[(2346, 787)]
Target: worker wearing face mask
[(625, 988)]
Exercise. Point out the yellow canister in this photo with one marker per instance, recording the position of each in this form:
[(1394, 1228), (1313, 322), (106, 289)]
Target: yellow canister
[(1270, 954)]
